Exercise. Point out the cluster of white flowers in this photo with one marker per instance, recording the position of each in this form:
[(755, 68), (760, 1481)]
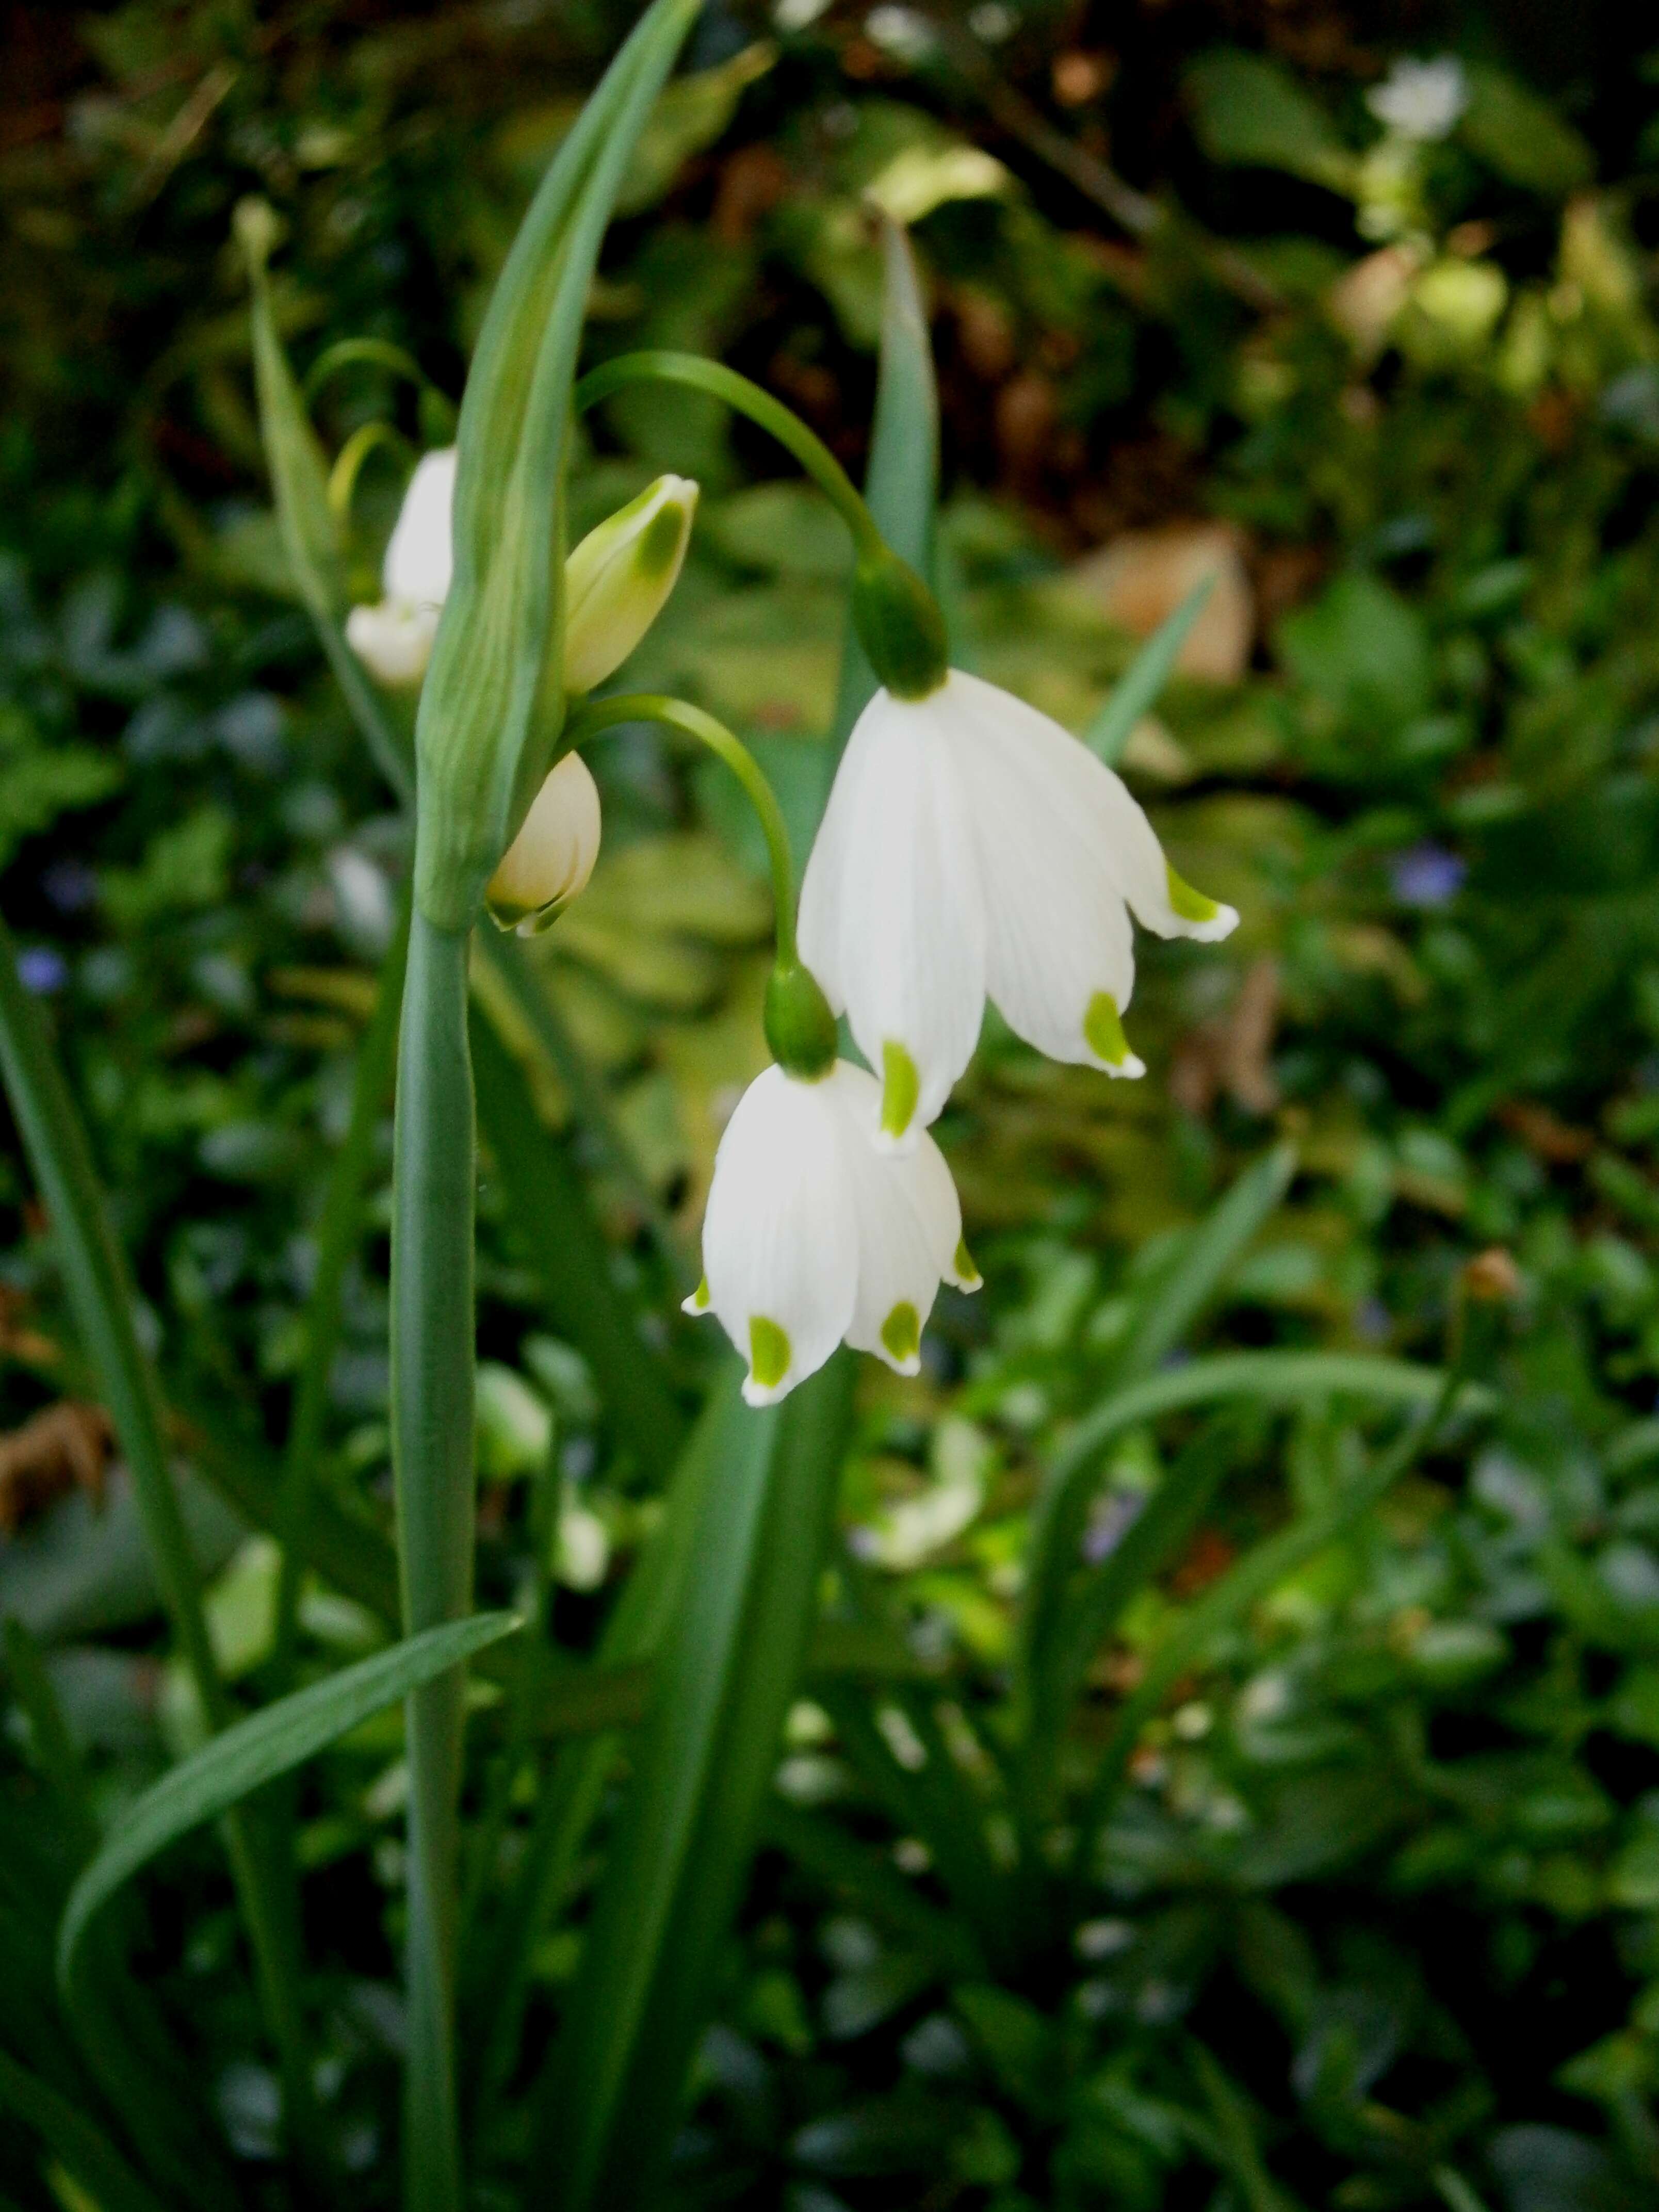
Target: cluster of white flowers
[(971, 848)]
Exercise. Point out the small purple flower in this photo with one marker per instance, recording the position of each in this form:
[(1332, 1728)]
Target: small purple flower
[(42, 970), (1428, 876), (70, 885)]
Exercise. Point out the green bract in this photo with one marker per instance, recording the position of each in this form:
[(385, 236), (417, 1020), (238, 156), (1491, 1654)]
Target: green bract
[(493, 703)]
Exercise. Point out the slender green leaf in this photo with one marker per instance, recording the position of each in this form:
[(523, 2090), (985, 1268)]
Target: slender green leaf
[(1084, 1612), (255, 1751), (900, 490), (85, 2151), (572, 1262), (101, 1299), (678, 1860), (1245, 1583), (869, 1880), (1165, 1309), (1136, 691), (1169, 1306)]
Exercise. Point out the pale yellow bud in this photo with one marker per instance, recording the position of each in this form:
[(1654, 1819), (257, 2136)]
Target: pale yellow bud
[(618, 579), (552, 857)]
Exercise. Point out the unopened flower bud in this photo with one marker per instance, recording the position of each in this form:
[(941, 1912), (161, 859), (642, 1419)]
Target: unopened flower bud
[(618, 578), (552, 857)]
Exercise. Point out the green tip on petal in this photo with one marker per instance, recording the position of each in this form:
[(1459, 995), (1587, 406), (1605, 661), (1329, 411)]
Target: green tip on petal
[(902, 1332), (967, 1275), (658, 549), (901, 1087), (768, 1352), (1102, 1032), (1190, 905), (698, 1301)]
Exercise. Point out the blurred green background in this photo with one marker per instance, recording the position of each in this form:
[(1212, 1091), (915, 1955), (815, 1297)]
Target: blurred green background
[(1376, 1922)]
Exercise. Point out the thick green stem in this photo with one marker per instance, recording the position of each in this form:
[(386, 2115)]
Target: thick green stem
[(432, 1387), (599, 714), (761, 408)]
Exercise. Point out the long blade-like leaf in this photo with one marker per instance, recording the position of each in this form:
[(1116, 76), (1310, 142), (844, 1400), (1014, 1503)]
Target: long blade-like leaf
[(253, 1751), (101, 1299), (1146, 676), (1164, 1310), (83, 2148), (678, 1862)]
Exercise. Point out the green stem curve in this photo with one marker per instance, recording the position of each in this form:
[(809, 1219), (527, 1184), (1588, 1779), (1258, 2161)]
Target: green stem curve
[(600, 714), (658, 366)]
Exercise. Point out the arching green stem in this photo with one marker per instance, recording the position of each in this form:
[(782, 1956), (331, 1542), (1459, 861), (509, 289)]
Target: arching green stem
[(598, 714), (746, 398)]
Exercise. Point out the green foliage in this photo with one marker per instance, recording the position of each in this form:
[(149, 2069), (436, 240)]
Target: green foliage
[(1214, 1737)]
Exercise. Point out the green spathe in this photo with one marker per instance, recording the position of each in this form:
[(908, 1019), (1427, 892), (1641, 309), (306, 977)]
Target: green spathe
[(493, 701)]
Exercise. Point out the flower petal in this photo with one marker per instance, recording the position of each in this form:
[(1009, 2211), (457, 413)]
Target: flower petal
[(909, 1226), (1125, 841), (419, 555), (780, 1241), (891, 920), (393, 640), (1061, 958)]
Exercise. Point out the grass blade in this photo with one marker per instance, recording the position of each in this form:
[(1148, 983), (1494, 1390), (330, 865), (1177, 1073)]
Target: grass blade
[(1147, 674), (676, 1863), (901, 490), (101, 1299), (1166, 1309), (83, 2148), (254, 1752)]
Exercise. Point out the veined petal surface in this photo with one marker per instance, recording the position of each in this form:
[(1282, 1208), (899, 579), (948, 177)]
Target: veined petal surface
[(779, 1240), (1060, 953), (892, 919), (419, 555), (909, 1226)]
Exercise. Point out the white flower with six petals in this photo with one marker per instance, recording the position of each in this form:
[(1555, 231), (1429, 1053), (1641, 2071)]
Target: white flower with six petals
[(973, 847), (811, 1235)]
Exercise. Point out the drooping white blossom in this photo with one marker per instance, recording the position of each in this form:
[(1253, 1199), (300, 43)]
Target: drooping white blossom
[(617, 580), (813, 1236), (972, 848), (551, 860), (1421, 100)]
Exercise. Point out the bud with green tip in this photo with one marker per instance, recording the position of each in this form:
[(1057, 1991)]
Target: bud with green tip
[(551, 860), (619, 578)]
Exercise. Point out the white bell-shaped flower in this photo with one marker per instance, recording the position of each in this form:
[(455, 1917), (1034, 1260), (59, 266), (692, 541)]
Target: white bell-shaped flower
[(394, 639), (972, 848), (551, 860), (812, 1235), (1421, 100)]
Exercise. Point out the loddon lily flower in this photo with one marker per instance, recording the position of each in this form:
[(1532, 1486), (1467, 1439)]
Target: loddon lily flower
[(973, 847), (617, 580), (549, 862), (813, 1236)]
